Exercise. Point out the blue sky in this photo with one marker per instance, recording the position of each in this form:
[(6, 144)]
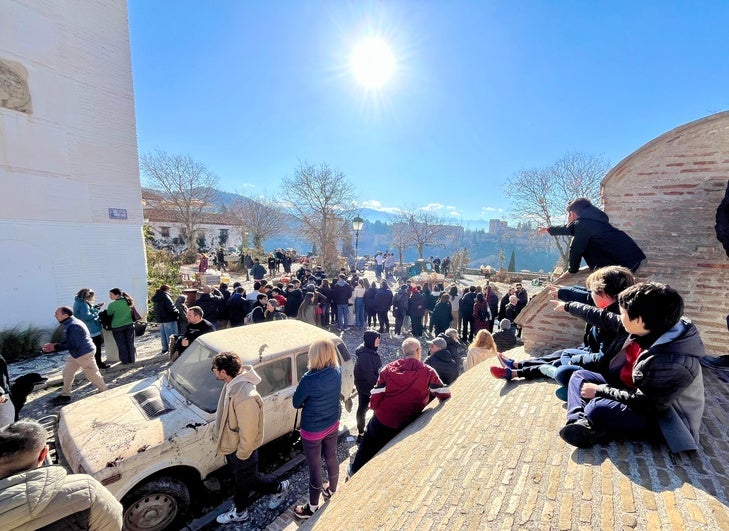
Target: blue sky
[(480, 89)]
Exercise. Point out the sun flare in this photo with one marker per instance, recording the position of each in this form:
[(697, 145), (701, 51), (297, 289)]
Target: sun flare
[(372, 62)]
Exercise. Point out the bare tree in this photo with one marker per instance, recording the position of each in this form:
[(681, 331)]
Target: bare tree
[(402, 238), (422, 227), (188, 187), (261, 218), (321, 199), (541, 194)]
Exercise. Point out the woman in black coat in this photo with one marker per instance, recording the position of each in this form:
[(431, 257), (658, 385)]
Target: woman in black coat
[(442, 314)]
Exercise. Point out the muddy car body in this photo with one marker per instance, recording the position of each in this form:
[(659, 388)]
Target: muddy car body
[(152, 442)]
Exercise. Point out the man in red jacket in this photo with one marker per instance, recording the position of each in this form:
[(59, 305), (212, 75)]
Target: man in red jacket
[(404, 387)]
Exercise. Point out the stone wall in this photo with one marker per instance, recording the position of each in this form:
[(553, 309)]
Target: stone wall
[(665, 196)]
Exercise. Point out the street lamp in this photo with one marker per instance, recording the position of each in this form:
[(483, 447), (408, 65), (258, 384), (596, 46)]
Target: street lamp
[(357, 224)]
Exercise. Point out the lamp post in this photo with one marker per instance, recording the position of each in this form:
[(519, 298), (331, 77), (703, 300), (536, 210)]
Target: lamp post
[(357, 224)]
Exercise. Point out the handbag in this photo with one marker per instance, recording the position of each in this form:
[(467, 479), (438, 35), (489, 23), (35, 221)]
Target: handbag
[(319, 310), (135, 314)]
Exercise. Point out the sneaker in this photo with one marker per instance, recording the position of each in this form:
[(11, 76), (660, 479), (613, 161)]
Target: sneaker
[(232, 516), (278, 498), (60, 400), (103, 365), (561, 393), (579, 434), (327, 493), (304, 512), (504, 361), (503, 373)]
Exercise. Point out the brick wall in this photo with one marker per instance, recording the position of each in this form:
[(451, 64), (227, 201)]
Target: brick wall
[(665, 196)]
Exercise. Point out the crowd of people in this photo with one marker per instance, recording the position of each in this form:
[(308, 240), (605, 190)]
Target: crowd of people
[(636, 374)]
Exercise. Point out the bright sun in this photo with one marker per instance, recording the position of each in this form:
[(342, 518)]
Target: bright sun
[(373, 62)]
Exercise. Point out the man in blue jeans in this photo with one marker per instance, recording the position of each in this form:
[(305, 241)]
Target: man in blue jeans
[(653, 384), (341, 293), (166, 314)]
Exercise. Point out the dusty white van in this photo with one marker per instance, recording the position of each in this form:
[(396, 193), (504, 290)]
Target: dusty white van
[(151, 442)]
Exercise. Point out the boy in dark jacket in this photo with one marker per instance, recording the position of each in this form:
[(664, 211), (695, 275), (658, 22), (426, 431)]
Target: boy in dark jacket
[(366, 370), (653, 384)]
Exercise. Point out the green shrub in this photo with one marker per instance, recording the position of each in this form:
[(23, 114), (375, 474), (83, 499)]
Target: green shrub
[(162, 268), (20, 343)]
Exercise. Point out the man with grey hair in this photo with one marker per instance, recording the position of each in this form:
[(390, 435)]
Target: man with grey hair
[(404, 387), (33, 496)]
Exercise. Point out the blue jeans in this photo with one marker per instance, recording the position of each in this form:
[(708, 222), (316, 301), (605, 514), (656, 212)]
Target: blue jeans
[(604, 414), (166, 330), (359, 312), (342, 316)]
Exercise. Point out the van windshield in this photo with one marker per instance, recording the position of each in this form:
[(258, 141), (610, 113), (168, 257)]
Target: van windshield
[(193, 379)]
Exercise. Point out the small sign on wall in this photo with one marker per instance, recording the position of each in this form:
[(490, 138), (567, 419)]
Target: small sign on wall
[(117, 213)]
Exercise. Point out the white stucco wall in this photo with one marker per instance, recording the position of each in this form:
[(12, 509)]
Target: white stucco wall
[(65, 164)]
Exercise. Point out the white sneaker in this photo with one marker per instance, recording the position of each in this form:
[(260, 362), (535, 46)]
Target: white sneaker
[(232, 516), (278, 498)]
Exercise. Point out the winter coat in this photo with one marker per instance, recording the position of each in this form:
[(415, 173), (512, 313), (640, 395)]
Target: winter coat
[(522, 300), (400, 302), (442, 317), (87, 313), (404, 387), (318, 393), (210, 302), (75, 338), (369, 299), (505, 339), (294, 298), (367, 364), (467, 302), (49, 496), (383, 300), (120, 312), (341, 292), (164, 308), (668, 385), (609, 335), (237, 309), (598, 242), (223, 306), (481, 309), (239, 417), (478, 354), (444, 365), (416, 305), (453, 346), (258, 272), (307, 309)]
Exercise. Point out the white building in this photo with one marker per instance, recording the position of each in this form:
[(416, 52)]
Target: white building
[(70, 201)]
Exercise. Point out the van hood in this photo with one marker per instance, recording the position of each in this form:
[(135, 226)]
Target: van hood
[(107, 429)]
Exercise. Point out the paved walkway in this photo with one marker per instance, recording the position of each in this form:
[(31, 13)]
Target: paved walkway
[(491, 458)]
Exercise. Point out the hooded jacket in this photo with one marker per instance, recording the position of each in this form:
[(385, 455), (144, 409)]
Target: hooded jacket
[(400, 302), (668, 385), (403, 389), (39, 497), (598, 242), (88, 314), (383, 299), (442, 316), (239, 417), (318, 393), (444, 365), (341, 292), (164, 308), (368, 364)]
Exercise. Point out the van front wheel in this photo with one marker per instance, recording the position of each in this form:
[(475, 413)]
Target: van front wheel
[(158, 504)]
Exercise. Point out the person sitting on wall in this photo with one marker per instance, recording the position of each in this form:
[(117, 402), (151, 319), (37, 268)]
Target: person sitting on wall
[(595, 239), (658, 387)]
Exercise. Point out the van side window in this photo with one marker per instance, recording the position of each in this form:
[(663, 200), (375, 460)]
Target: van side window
[(343, 352), (275, 376), (302, 360)]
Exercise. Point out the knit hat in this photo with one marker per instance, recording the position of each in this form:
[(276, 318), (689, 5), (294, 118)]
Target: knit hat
[(504, 324)]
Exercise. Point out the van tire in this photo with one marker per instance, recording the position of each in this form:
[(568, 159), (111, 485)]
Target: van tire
[(158, 504)]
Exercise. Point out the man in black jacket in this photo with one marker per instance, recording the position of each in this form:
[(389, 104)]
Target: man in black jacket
[(210, 301), (366, 370), (440, 359), (595, 239), (166, 314), (466, 309), (196, 326)]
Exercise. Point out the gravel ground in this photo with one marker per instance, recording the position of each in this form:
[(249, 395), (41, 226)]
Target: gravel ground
[(151, 363)]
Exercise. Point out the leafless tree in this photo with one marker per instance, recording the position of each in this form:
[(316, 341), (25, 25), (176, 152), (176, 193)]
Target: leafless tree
[(402, 238), (421, 228), (188, 187), (541, 194), (261, 218), (320, 198)]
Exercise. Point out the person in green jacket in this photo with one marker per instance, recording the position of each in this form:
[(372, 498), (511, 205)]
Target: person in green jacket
[(122, 324)]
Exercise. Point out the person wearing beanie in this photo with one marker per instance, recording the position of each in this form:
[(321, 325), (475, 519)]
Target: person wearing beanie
[(440, 359), (366, 370)]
